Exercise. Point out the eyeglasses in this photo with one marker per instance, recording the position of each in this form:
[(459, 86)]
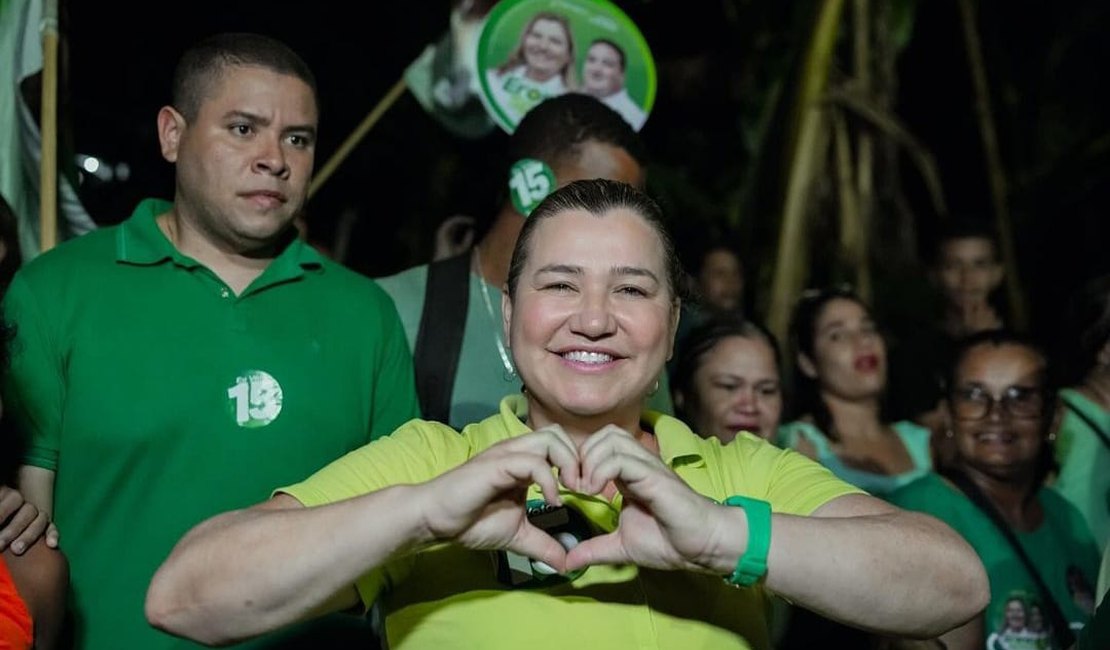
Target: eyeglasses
[(975, 403)]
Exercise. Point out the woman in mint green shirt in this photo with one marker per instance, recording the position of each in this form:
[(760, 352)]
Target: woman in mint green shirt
[(840, 378)]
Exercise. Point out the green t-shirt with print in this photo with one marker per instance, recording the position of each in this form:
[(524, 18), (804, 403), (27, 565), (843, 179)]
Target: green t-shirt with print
[(1061, 548)]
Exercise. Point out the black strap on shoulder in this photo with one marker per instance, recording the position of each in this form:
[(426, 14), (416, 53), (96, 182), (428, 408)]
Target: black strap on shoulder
[(439, 339), (1102, 435), (1060, 627)]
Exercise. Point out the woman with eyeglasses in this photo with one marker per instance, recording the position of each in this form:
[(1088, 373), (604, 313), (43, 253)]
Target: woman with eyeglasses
[(840, 378), (1036, 546)]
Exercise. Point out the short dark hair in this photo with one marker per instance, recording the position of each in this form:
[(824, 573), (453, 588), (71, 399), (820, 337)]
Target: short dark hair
[(616, 48), (597, 196), (204, 61), (704, 336), (557, 128), (994, 337), (965, 227)]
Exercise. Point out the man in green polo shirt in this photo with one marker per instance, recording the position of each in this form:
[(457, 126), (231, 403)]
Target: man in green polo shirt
[(188, 360)]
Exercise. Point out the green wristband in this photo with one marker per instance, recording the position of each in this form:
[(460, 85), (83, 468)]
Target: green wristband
[(752, 565)]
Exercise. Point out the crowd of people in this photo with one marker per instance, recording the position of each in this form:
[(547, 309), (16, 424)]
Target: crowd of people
[(560, 437)]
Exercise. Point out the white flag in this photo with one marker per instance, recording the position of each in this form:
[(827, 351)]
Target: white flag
[(20, 139)]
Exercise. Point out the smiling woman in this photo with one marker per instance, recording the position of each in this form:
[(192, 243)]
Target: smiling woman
[(1036, 547), (592, 331), (599, 516), (539, 67)]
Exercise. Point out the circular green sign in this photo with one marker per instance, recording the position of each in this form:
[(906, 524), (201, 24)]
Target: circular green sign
[(531, 50), (530, 180)]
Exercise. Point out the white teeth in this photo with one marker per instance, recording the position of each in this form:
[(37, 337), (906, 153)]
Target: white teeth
[(582, 356), (995, 437)]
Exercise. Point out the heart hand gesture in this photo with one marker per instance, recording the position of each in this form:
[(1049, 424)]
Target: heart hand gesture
[(664, 524), (480, 504)]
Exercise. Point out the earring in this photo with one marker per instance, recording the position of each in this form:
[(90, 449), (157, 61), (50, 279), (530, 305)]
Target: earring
[(655, 388), (1052, 437), (948, 433)]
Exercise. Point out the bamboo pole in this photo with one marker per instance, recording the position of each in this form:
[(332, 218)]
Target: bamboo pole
[(888, 123), (48, 119), (853, 240), (995, 171), (865, 147), (356, 136), (804, 153)]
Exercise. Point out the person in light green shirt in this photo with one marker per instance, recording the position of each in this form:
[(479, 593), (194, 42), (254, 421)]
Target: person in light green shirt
[(1083, 437), (572, 517)]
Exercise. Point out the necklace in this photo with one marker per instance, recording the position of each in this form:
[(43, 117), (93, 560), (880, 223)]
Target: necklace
[(495, 322)]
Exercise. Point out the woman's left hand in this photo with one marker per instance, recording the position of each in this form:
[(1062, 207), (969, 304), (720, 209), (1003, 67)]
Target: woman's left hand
[(663, 523)]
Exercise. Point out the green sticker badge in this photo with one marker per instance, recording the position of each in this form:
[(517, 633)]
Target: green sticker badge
[(531, 50), (530, 181), (254, 399)]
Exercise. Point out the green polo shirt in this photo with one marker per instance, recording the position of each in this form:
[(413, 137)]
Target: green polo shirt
[(161, 398)]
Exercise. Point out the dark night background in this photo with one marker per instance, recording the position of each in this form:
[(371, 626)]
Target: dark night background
[(715, 62)]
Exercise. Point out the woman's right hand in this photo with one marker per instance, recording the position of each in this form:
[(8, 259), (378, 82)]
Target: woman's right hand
[(481, 503)]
